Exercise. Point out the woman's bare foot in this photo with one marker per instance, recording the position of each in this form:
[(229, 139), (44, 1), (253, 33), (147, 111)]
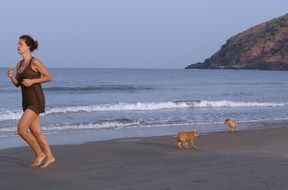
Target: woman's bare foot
[(38, 161), (49, 161)]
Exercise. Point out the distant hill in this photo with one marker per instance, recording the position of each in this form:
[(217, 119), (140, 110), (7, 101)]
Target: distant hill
[(263, 47)]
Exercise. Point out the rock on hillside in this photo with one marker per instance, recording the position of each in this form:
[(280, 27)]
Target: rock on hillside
[(263, 47)]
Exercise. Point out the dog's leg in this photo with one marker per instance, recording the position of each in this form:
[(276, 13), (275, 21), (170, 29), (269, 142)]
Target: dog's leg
[(180, 145), (192, 144), (230, 129), (186, 144)]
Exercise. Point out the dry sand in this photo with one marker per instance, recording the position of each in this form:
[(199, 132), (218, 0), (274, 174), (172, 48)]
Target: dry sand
[(252, 159)]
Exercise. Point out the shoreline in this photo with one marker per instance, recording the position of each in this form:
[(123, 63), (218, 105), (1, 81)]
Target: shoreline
[(98, 135), (246, 159)]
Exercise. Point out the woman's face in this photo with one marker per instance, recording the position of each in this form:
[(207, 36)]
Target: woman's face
[(22, 46)]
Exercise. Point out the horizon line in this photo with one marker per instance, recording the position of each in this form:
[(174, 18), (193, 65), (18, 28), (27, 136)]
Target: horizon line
[(103, 68)]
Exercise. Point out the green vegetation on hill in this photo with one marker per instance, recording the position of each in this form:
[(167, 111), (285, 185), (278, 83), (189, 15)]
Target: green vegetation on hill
[(264, 46)]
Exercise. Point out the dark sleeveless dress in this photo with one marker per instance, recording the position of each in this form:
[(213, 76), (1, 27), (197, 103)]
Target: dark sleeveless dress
[(32, 96)]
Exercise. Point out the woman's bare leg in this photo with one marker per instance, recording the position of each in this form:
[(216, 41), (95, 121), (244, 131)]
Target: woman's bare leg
[(25, 122), (42, 141)]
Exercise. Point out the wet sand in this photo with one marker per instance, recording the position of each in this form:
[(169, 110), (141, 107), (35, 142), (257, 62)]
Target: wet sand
[(252, 159)]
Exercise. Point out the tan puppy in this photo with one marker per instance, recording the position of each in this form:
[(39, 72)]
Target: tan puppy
[(185, 137), (232, 124)]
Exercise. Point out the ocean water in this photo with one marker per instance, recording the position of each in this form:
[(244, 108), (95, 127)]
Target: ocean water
[(85, 105)]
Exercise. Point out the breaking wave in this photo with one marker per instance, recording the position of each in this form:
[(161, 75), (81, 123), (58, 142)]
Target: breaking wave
[(145, 106), (151, 106)]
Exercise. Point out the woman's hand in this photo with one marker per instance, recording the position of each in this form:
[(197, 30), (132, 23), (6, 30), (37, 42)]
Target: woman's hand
[(10, 72), (27, 82), (11, 75)]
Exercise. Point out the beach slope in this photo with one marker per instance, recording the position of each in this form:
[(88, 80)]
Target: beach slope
[(252, 159)]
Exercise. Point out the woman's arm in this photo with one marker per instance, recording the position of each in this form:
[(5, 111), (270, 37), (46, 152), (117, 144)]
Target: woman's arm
[(37, 65), (12, 76)]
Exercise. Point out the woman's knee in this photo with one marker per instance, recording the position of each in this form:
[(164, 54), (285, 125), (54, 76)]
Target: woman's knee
[(21, 131), (36, 133)]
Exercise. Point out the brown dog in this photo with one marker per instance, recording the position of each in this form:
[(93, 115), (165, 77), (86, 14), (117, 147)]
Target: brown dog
[(187, 137), (232, 124)]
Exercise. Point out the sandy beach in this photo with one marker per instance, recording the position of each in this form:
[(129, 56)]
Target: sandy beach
[(251, 159)]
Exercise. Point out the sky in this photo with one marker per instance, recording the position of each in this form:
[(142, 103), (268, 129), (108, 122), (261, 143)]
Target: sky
[(128, 33)]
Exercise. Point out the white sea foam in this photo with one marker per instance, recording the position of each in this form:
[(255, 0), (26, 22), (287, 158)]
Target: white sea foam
[(104, 125), (118, 124), (82, 126), (120, 107), (145, 106), (8, 129), (150, 106), (10, 115), (225, 103)]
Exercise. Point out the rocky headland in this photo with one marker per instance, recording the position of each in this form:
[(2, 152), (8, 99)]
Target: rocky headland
[(262, 47)]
